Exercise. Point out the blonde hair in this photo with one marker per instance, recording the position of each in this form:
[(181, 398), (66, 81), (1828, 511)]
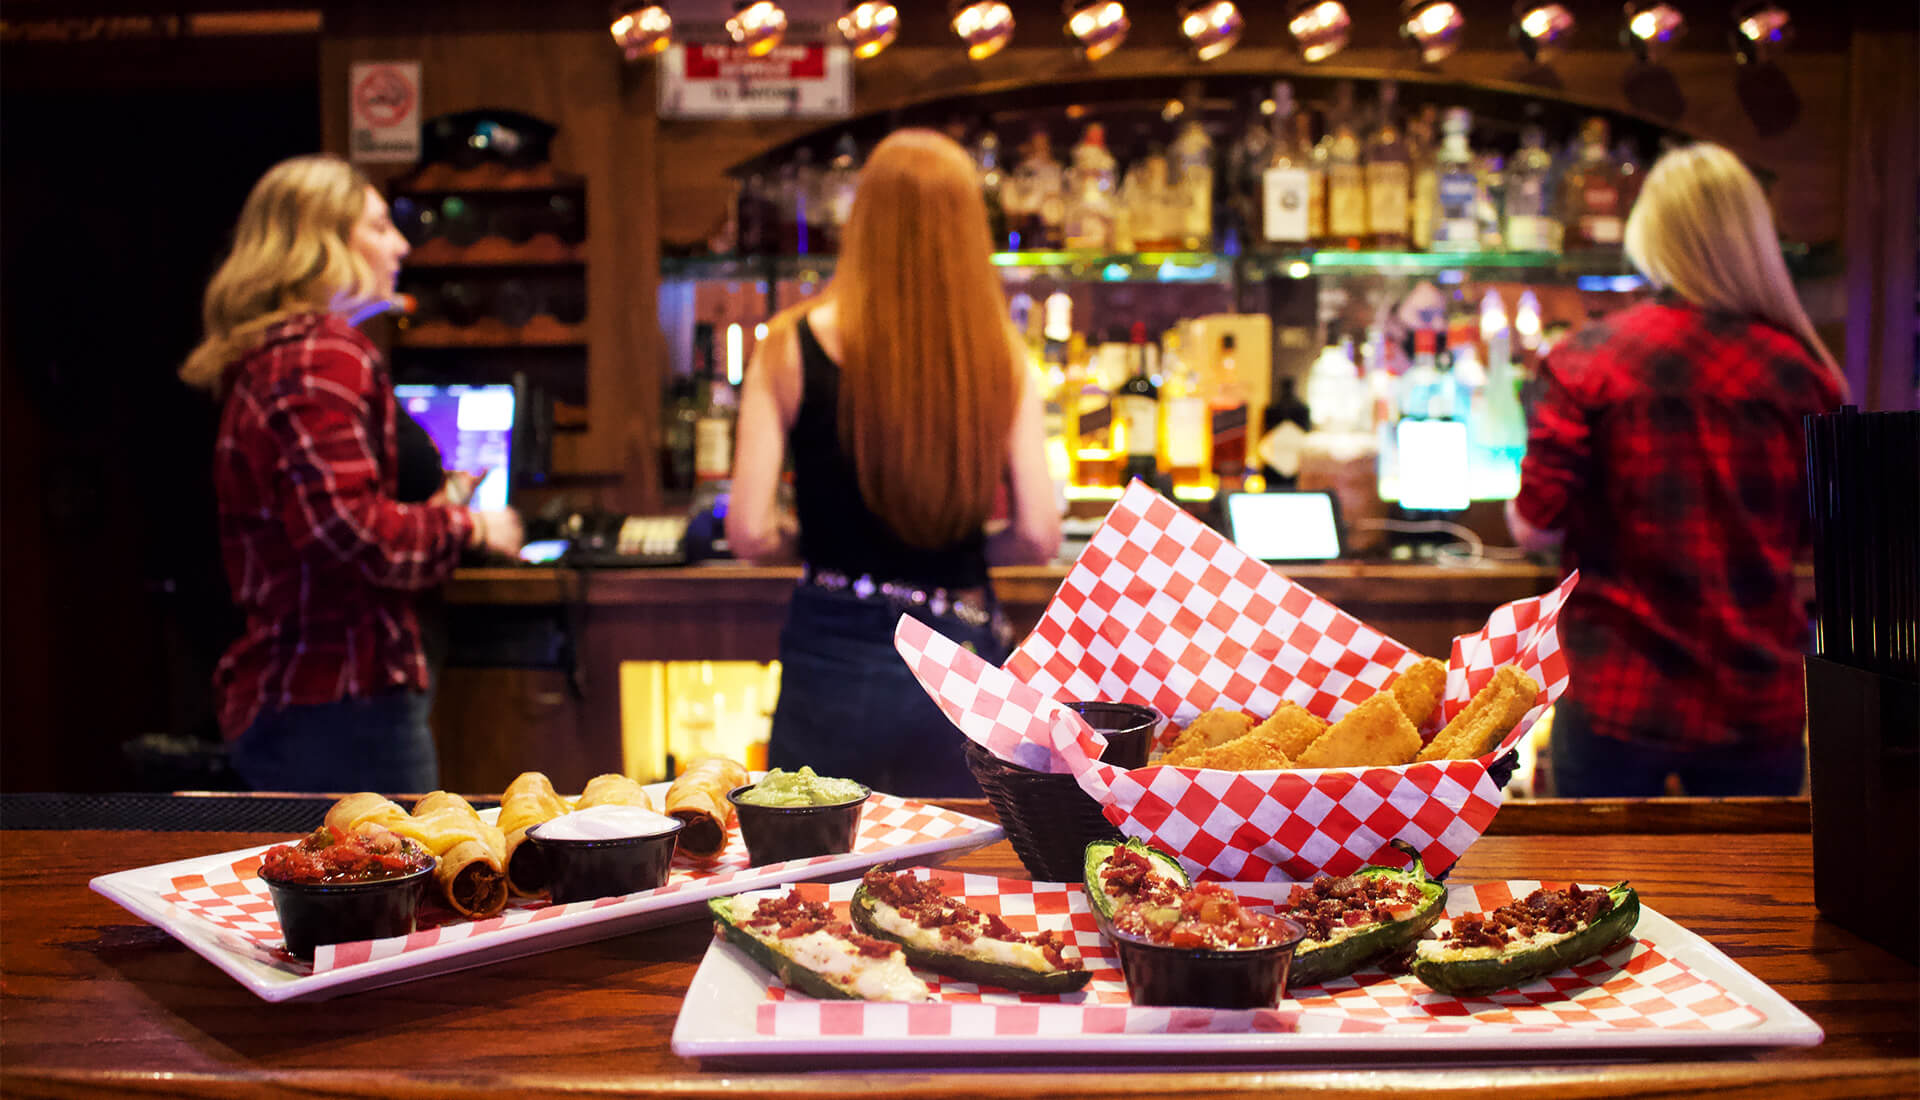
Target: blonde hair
[(929, 381), (1701, 228), (291, 254)]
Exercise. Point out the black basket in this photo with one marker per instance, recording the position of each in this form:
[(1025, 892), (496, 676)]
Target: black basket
[(1048, 818)]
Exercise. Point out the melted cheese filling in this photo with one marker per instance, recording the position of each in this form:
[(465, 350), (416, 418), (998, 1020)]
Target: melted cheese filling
[(1006, 953), (834, 959), (1438, 951)]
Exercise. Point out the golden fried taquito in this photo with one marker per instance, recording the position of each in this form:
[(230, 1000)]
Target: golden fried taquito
[(699, 797), (614, 789), (1419, 688), (366, 808), (529, 800), (1208, 729), (1487, 718), (1373, 734), (471, 875)]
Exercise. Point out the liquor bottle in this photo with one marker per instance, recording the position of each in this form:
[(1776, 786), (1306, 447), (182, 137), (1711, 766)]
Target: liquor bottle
[(1389, 176), (1146, 205), (1316, 174), (1632, 174), (1591, 193), (1456, 225), (1531, 222), (1090, 192), (1246, 160), (713, 429), (1186, 433), (796, 198), (986, 160), (1287, 183), (1346, 178), (1229, 415), (1190, 162), (837, 188), (1042, 185), (1095, 464), (1491, 167), (1501, 432), (1422, 134), (682, 411), (1284, 429), (759, 217), (1136, 418)]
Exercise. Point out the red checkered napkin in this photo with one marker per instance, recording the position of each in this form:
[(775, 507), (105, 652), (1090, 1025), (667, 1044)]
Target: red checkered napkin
[(232, 898), (1635, 985), (1163, 610)]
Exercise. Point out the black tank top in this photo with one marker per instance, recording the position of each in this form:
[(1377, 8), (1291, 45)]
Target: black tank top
[(837, 529)]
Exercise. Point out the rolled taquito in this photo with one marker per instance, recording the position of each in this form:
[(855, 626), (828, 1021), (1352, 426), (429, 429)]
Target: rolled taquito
[(614, 789), (366, 808), (472, 875), (699, 798), (530, 799)]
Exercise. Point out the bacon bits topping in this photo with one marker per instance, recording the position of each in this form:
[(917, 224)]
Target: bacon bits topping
[(921, 902), (1129, 874), (790, 917), (1328, 903), (1543, 911)]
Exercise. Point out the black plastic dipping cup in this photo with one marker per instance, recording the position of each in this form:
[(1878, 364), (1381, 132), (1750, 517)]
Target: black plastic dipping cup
[(778, 833), (1128, 728), (312, 914)]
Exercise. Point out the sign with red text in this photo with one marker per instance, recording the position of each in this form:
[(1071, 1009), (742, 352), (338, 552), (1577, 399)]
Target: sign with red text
[(383, 111), (798, 80)]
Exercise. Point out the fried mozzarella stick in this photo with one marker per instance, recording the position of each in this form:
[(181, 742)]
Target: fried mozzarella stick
[(1209, 729), (699, 798), (1494, 710), (529, 800), (1419, 688), (1373, 734)]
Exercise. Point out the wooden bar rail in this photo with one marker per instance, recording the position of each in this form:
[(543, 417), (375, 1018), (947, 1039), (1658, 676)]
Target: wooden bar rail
[(94, 1002)]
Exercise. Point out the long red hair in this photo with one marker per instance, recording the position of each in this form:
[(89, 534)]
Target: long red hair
[(929, 381)]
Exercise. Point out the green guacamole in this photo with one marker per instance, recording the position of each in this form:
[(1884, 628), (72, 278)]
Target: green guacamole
[(801, 788)]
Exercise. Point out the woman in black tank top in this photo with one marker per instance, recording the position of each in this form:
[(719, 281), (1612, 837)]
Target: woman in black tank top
[(914, 427)]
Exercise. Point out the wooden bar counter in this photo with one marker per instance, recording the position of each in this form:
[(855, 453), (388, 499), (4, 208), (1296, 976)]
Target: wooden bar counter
[(95, 1002), (495, 722)]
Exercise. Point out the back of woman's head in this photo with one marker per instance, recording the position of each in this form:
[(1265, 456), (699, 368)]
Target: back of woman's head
[(1701, 228), (290, 254), (930, 382)]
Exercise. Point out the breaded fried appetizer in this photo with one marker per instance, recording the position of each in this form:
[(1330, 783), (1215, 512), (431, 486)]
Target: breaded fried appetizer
[(1257, 751), (1291, 729), (1419, 688), (1209, 728), (1494, 710), (1373, 734)]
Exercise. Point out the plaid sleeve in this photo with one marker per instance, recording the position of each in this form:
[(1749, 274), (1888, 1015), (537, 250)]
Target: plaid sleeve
[(1559, 449), (330, 487)]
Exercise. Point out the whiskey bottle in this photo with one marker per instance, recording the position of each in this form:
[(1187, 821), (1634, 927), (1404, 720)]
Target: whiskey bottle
[(1591, 193), (1346, 178), (1531, 224), (1286, 184), (1190, 162), (1389, 177)]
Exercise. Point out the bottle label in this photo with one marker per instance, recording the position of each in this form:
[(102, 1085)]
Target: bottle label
[(1600, 229), (1316, 205), (1281, 448), (1187, 431), (1140, 415), (1530, 233), (1387, 198), (1346, 201), (713, 449), (1287, 195)]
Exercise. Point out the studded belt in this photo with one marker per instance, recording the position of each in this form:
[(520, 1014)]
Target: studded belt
[(973, 606)]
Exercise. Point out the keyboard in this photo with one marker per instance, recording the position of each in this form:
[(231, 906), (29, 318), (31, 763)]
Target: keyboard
[(641, 541)]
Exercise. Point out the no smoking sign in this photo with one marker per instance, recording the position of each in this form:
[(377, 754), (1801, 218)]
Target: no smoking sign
[(384, 109)]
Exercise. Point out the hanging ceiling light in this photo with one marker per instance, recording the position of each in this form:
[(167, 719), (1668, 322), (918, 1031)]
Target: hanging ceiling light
[(1760, 30), (1212, 27), (1434, 27), (870, 27), (1320, 28), (1541, 29), (1653, 26), (758, 25), (641, 30), (984, 25), (1099, 25)]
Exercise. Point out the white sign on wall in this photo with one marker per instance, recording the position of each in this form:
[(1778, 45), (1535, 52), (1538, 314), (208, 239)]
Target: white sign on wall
[(383, 111), (798, 80)]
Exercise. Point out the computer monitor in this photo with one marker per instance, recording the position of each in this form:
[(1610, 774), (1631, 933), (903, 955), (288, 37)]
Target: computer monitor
[(1299, 526), (1434, 474), (473, 427)]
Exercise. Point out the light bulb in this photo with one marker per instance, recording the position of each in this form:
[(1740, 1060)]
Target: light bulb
[(1760, 30), (1320, 28), (870, 27), (1653, 26), (1435, 27), (985, 26), (1212, 27), (641, 30), (1541, 29), (1099, 26), (757, 25)]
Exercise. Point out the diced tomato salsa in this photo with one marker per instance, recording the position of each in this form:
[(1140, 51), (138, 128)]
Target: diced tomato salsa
[(1204, 916), (324, 856)]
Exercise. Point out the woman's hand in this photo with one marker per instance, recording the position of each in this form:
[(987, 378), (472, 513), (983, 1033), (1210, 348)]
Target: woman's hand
[(458, 487), (498, 531)]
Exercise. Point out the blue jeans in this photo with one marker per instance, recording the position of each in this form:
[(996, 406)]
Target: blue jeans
[(1588, 765), (850, 707), (380, 744)]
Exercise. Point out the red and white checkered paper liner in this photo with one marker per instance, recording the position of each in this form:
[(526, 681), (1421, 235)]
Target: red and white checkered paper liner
[(232, 899), (1163, 610), (1633, 986)]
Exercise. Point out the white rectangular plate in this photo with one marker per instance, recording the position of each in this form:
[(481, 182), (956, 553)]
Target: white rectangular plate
[(892, 829), (1670, 989)]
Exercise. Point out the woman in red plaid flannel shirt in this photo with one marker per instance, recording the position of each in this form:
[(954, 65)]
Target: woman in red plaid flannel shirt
[(1666, 459), (326, 690)]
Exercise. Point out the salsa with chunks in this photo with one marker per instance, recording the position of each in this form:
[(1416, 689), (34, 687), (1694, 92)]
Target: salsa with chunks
[(325, 856)]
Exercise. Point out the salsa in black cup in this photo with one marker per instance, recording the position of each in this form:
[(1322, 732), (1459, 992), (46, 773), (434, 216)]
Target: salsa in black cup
[(330, 888)]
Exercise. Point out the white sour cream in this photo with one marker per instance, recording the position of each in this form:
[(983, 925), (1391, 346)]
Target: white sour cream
[(606, 823)]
